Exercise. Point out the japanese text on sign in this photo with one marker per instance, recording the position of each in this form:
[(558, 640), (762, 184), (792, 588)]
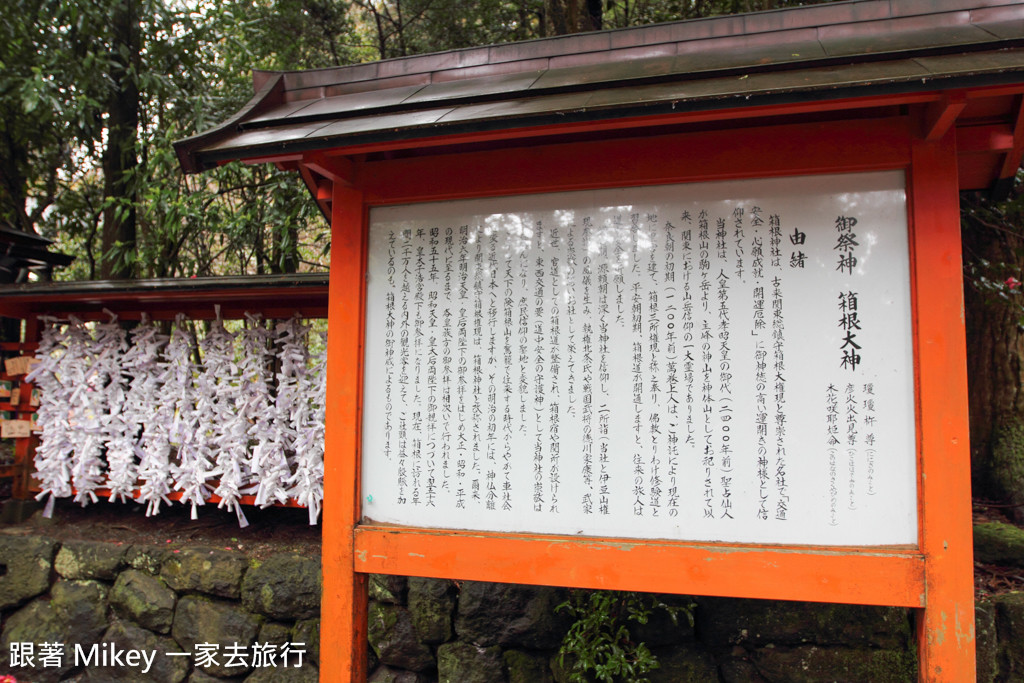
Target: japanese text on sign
[(718, 361)]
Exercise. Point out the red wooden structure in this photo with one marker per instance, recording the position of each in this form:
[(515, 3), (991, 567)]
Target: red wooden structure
[(932, 89)]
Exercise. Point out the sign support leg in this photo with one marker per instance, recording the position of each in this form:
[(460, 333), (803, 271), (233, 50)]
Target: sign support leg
[(344, 604), (946, 624)]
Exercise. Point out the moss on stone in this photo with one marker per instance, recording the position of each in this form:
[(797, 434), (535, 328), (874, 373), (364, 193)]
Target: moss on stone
[(999, 543), (755, 623), (1005, 469), (89, 560), (526, 667), (25, 564), (387, 588), (1010, 628), (813, 664), (308, 631), (284, 587), (394, 640), (144, 599), (986, 645), (462, 662), (431, 604), (207, 570)]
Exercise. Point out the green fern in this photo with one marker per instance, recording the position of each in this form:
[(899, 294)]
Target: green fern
[(599, 644)]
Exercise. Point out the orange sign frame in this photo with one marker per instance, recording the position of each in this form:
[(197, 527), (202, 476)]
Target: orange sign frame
[(935, 577)]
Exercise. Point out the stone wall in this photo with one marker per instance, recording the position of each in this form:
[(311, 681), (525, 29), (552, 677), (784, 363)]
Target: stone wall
[(102, 600)]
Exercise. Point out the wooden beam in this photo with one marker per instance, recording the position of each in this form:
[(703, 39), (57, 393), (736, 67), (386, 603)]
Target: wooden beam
[(984, 138), (1012, 161), (940, 116), (879, 576), (337, 169)]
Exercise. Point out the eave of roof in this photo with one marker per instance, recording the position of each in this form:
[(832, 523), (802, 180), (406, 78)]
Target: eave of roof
[(274, 295), (837, 51)]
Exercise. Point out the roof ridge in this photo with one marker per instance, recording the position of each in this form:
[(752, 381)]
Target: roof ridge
[(566, 47)]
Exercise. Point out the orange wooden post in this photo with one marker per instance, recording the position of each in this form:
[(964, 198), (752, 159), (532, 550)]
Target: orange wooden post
[(344, 601), (946, 624)]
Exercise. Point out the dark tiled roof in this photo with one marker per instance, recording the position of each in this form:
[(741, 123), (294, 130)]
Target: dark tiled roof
[(822, 52), (21, 252)]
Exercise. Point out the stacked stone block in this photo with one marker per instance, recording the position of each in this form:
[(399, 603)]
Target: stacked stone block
[(178, 599)]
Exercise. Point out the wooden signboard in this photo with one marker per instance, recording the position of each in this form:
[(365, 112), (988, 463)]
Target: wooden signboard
[(726, 363)]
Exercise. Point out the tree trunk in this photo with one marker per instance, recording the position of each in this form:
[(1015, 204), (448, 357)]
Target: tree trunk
[(994, 307), (119, 157), (285, 249)]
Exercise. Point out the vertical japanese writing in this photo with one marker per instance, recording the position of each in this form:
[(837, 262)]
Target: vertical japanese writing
[(672, 377), (569, 282), (849, 320), (738, 235), (618, 274), (797, 258), (491, 497), (507, 423), (603, 314), (447, 359), (636, 301), (725, 397), (418, 341), (405, 293), (525, 366), (846, 244), (478, 349), (852, 426), (604, 377), (688, 343), (832, 448), (554, 365), (557, 370), (707, 398), (775, 240), (432, 372), (572, 351), (539, 385), (779, 366), (389, 349), (654, 281), (462, 371), (760, 388), (587, 367), (870, 419)]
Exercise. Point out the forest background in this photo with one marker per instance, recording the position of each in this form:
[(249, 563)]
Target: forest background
[(93, 93)]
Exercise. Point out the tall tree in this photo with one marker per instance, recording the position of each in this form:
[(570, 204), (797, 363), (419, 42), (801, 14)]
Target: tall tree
[(993, 243), (120, 187), (91, 97)]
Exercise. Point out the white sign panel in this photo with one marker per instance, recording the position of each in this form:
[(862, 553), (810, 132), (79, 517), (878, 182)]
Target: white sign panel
[(724, 361)]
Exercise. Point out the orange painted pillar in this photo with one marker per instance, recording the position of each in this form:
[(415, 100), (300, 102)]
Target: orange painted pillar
[(344, 597), (946, 624)]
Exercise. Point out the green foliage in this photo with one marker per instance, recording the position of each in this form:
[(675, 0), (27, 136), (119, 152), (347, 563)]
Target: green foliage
[(92, 94), (996, 270), (599, 640)]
